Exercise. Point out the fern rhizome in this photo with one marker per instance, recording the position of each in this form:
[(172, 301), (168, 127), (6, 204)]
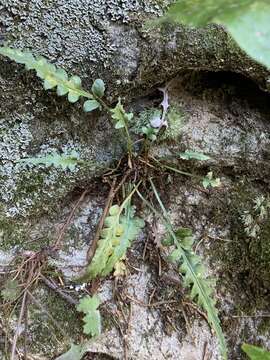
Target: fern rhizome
[(121, 225)]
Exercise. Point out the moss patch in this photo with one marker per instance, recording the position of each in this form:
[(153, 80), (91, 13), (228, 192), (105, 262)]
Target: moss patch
[(46, 337), (244, 260)]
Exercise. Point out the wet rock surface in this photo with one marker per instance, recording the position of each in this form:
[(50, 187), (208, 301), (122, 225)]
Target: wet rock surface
[(146, 314)]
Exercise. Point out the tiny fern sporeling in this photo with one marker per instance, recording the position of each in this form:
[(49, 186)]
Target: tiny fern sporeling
[(92, 319), (192, 270), (120, 228), (55, 77)]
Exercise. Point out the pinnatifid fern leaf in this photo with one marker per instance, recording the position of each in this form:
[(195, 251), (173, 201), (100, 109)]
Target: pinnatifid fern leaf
[(92, 319), (193, 272), (120, 116), (201, 288), (121, 227), (55, 77), (255, 352), (64, 161)]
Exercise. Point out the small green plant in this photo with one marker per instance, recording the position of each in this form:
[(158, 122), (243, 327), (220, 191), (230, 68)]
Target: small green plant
[(210, 181), (150, 132), (255, 352), (253, 219), (92, 319), (121, 227), (54, 77), (122, 120)]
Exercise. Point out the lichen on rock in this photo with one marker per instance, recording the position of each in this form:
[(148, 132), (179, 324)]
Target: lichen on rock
[(209, 112)]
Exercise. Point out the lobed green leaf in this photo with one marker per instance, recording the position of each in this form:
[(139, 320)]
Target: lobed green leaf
[(120, 229), (255, 352), (92, 319), (193, 272), (91, 105)]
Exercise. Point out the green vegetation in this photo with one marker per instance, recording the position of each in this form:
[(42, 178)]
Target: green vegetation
[(121, 226), (54, 77), (92, 320), (256, 353), (246, 20), (191, 268), (116, 237)]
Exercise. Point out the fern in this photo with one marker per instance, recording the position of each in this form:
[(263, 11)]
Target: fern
[(92, 319), (121, 120), (132, 226), (201, 288), (54, 77), (118, 233), (63, 161), (255, 352)]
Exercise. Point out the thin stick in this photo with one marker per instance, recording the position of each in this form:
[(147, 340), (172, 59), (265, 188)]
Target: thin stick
[(251, 316), (199, 311), (13, 351), (54, 287), (65, 226), (92, 248), (25, 327), (5, 332)]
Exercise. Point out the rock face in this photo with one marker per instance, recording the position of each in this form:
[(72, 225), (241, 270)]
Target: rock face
[(222, 115)]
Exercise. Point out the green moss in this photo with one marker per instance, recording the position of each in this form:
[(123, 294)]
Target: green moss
[(175, 118), (18, 233), (47, 338), (245, 261)]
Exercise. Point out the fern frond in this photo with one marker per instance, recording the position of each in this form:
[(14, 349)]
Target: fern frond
[(64, 161), (120, 229), (193, 272), (54, 77), (132, 226), (92, 319), (201, 287)]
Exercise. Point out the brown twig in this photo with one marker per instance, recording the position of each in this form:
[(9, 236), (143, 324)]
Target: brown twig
[(199, 311), (204, 353), (55, 288), (16, 335), (5, 332), (67, 223), (25, 327), (92, 248)]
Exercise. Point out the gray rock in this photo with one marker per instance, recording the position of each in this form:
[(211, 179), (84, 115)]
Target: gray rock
[(106, 39)]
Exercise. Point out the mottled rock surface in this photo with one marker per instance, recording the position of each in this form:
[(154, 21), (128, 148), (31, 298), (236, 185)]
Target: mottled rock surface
[(145, 314)]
